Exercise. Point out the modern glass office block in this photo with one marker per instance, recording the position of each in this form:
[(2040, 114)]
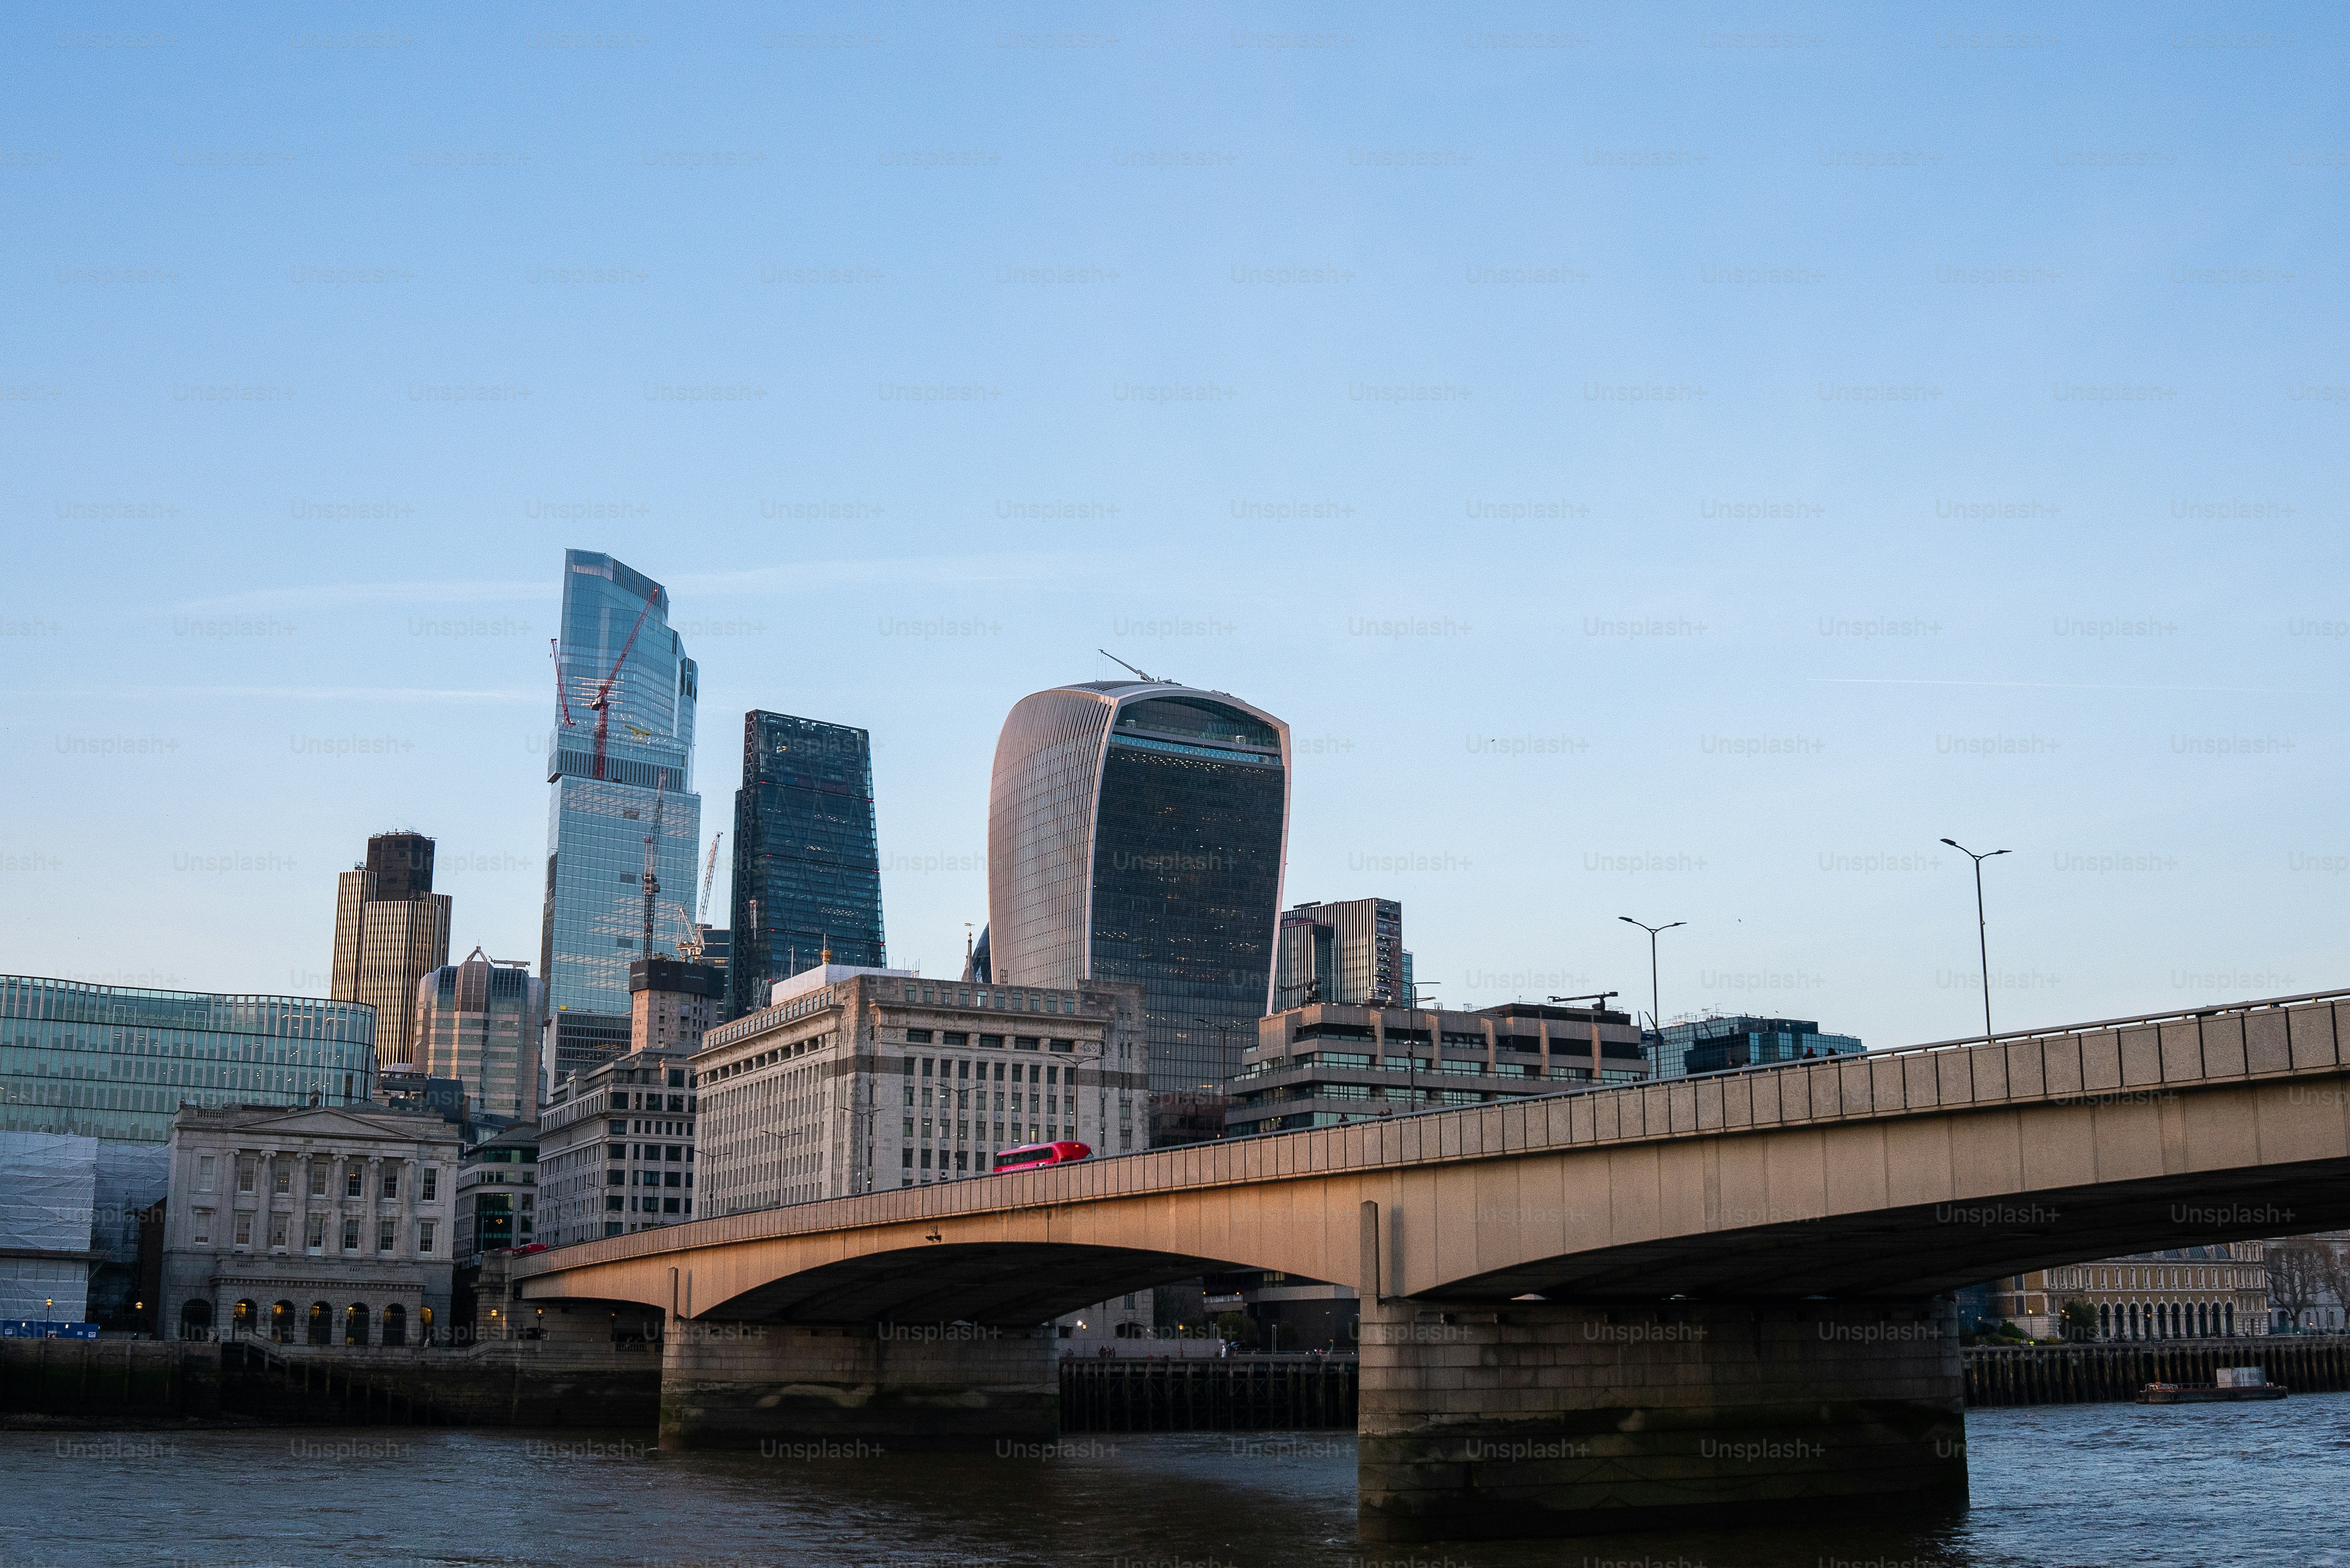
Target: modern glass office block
[(807, 859), (116, 1061), (1136, 832), (621, 768)]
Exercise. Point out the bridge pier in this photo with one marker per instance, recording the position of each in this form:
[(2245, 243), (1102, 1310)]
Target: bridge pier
[(785, 1388), (1534, 1419)]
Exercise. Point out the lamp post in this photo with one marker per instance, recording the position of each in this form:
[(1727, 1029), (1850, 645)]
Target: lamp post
[(1982, 940), (1655, 1014)]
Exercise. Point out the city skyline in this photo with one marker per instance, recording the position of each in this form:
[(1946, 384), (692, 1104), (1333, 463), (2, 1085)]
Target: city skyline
[(1900, 438)]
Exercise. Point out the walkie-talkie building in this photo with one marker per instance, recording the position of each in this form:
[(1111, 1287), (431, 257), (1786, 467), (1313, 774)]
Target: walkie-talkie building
[(808, 861), (620, 760), (1136, 832)]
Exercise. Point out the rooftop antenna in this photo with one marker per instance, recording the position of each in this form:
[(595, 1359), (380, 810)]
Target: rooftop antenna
[(1122, 664)]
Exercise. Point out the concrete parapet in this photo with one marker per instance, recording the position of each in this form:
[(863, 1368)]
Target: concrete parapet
[(1680, 1415), (750, 1386)]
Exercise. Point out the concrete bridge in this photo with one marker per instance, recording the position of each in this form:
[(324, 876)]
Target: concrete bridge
[(1724, 1296)]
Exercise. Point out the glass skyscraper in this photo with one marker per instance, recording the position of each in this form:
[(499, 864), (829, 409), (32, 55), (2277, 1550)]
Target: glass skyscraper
[(807, 859), (1136, 831), (1718, 1045), (116, 1061), (621, 764)]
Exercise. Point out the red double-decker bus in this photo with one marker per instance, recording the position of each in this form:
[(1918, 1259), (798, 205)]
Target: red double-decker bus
[(1033, 1155)]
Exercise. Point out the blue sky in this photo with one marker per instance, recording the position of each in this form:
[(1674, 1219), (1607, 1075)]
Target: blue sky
[(1679, 466)]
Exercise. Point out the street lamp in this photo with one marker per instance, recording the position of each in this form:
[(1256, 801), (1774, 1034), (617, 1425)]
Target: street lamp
[(1655, 1014), (1982, 941)]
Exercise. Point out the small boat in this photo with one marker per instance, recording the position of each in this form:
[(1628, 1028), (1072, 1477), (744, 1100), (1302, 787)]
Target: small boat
[(2235, 1382)]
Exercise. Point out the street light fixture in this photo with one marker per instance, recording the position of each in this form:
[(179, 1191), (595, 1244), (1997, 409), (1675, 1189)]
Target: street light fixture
[(1656, 1013), (1982, 941)]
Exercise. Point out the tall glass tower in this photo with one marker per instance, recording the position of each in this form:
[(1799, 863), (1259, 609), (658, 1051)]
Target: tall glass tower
[(622, 766), (808, 860), (1136, 831)]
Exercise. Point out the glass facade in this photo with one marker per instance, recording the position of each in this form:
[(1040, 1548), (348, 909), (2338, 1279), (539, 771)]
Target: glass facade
[(622, 759), (1135, 833), (479, 1023), (807, 856), (116, 1061), (1718, 1045)]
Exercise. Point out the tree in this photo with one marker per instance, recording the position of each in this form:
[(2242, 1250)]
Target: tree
[(2331, 1258), (2295, 1270), (2077, 1319)]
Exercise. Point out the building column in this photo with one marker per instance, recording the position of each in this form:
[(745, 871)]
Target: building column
[(1536, 1420), (730, 1386)]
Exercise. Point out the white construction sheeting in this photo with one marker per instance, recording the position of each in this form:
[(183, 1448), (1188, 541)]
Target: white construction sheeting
[(49, 1190)]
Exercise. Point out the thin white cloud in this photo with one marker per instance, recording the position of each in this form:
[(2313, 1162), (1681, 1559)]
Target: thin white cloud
[(928, 569), (2058, 685), (309, 693), (295, 594)]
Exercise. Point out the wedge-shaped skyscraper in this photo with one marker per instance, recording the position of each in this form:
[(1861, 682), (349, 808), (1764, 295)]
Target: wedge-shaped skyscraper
[(1136, 832)]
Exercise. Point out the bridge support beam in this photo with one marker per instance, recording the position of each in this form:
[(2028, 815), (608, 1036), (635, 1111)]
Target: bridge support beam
[(904, 1386), (1535, 1419)]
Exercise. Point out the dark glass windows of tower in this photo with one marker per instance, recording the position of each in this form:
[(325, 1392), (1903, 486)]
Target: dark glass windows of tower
[(807, 859)]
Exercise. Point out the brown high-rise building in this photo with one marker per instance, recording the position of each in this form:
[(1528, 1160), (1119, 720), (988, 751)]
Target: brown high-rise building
[(390, 931)]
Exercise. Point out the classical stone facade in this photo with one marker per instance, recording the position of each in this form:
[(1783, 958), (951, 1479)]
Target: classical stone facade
[(861, 1081), (2219, 1292), (321, 1225)]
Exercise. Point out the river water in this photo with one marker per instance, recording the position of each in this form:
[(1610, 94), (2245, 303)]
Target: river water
[(2253, 1486)]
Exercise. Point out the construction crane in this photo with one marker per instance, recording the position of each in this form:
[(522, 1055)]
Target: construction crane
[(709, 870), (653, 850)]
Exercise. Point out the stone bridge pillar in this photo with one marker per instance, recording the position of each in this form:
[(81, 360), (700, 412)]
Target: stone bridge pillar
[(887, 1385), (1533, 1419)]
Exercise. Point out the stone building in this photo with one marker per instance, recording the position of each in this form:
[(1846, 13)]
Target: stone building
[(855, 1080), (2218, 1292), (616, 1149), (324, 1225), (672, 1002)]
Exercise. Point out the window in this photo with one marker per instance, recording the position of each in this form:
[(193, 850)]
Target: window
[(248, 1172), (432, 1182), (278, 1231), (204, 1226), (353, 1183), (918, 1037), (314, 1236), (350, 1235), (281, 1179), (245, 1230), (317, 1178), (424, 1235), (386, 1235), (204, 1173), (616, 1151), (391, 1181)]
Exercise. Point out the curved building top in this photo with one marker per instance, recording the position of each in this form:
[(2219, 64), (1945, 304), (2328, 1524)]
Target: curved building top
[(1134, 829)]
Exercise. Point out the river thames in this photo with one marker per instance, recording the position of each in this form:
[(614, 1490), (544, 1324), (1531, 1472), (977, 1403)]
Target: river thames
[(2255, 1486)]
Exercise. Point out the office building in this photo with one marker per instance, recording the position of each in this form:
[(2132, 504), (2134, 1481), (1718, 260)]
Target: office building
[(1136, 830), (327, 1225), (498, 1192), (391, 930), (1718, 1045), (616, 1149), (1351, 952), (481, 1022), (116, 1062), (2217, 1291), (672, 1002), (1329, 1065), (807, 857), (859, 1080), (620, 768)]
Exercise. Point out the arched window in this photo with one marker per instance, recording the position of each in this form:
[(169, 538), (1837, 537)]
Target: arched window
[(355, 1324), (2228, 1313), (195, 1319), (241, 1317), (322, 1323), (395, 1325), (424, 1326), (281, 1323), (2104, 1320)]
